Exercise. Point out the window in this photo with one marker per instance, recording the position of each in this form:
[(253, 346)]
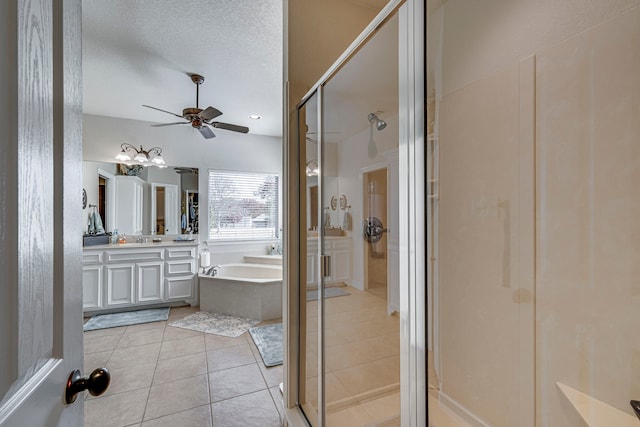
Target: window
[(243, 206)]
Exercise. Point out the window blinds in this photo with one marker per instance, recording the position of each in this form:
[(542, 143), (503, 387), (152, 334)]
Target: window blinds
[(243, 206)]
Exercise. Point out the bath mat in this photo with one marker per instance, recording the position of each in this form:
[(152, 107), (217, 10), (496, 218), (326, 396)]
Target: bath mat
[(214, 323), (268, 339), (328, 293), (104, 321)]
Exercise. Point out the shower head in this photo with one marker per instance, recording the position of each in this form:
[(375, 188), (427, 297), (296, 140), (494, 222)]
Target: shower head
[(380, 124)]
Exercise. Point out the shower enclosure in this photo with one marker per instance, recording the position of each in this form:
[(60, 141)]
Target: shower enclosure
[(353, 136), (533, 161)]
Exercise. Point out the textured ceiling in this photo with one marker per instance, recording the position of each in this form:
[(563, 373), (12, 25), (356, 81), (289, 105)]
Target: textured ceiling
[(141, 52)]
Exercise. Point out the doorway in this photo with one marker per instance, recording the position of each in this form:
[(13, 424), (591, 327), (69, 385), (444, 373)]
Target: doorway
[(375, 232)]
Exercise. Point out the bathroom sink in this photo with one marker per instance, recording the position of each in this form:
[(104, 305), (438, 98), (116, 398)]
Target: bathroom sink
[(93, 240)]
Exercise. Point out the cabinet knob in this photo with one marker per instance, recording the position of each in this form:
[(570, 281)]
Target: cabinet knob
[(97, 383)]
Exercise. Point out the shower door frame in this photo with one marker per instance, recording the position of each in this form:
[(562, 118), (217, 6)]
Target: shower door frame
[(412, 217)]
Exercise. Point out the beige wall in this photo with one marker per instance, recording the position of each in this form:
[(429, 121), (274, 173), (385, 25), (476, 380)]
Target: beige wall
[(318, 33), (582, 122)]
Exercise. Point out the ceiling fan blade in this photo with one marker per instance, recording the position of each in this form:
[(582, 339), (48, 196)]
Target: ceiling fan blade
[(228, 126), (164, 111), (206, 132), (169, 124), (210, 113)]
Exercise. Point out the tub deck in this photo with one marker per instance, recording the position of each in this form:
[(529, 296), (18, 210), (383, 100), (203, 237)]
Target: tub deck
[(245, 293)]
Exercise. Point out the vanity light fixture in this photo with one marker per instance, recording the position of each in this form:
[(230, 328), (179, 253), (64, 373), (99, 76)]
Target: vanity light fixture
[(312, 168), (150, 157)]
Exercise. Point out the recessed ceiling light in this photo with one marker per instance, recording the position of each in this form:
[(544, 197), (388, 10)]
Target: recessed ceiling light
[(255, 116)]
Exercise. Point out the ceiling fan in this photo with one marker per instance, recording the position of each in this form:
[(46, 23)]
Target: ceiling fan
[(201, 119)]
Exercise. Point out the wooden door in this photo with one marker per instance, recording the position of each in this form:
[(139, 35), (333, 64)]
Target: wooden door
[(40, 211)]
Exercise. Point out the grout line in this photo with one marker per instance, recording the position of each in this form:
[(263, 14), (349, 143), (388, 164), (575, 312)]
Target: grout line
[(206, 361), (168, 415), (155, 368)]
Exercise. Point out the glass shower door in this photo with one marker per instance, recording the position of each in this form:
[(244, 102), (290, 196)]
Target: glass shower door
[(349, 344), (359, 238)]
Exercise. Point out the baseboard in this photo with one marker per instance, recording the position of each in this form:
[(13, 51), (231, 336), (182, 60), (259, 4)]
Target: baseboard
[(362, 397), (461, 411)]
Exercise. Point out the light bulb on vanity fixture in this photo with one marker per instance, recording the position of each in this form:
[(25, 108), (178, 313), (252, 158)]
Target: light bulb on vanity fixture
[(312, 168), (150, 157)]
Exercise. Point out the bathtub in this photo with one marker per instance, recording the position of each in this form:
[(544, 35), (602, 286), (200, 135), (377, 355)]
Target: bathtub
[(243, 289)]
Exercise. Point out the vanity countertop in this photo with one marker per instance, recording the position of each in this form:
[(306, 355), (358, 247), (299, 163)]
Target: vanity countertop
[(134, 245), (312, 238)]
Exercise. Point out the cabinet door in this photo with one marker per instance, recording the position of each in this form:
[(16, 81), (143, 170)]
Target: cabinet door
[(340, 265), (171, 209), (91, 287), (120, 284), (312, 280), (179, 288), (129, 196), (137, 209), (150, 277)]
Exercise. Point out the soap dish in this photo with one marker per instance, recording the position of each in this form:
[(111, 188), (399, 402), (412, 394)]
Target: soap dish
[(156, 240)]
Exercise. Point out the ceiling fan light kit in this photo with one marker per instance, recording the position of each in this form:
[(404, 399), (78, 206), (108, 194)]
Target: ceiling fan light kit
[(150, 157), (201, 119)]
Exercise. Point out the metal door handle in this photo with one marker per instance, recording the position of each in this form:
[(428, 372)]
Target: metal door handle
[(372, 229), (97, 383), (326, 265)]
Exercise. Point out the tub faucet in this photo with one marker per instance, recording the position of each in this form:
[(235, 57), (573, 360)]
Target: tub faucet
[(213, 271)]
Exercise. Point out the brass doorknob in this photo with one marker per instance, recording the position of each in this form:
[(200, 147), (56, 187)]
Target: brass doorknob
[(97, 383)]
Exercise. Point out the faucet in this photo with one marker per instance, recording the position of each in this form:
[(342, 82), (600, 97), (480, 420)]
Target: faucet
[(213, 271)]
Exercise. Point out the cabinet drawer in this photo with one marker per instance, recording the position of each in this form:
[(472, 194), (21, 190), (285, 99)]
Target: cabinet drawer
[(92, 257), (124, 255), (180, 267), (341, 244), (177, 253)]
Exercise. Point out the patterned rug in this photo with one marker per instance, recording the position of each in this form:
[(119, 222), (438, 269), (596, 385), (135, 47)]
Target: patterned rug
[(214, 323), (104, 321), (268, 339), (328, 293)]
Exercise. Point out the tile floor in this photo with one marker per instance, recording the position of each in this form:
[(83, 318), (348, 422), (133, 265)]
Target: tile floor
[(166, 376), (362, 360)]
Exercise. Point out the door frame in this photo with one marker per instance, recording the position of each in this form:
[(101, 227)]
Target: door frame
[(110, 197), (361, 217)]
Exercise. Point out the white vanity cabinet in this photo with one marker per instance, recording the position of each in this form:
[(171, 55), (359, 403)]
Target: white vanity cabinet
[(129, 275), (339, 251)]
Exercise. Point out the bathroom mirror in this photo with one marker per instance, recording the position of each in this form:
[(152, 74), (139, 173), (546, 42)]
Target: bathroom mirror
[(330, 217), (169, 203)]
